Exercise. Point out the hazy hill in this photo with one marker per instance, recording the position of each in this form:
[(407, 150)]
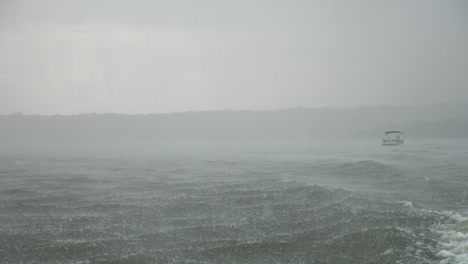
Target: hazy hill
[(434, 121)]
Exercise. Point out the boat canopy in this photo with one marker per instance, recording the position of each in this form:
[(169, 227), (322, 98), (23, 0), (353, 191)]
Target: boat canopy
[(393, 132)]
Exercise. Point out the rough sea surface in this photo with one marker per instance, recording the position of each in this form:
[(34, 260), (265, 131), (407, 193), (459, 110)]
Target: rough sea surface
[(347, 203)]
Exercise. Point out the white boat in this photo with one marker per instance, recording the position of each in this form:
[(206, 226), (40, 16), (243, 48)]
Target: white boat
[(393, 138)]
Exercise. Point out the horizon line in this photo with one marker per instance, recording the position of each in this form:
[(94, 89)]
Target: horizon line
[(19, 113)]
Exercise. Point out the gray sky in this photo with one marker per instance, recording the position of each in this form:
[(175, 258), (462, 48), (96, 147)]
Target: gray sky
[(69, 57)]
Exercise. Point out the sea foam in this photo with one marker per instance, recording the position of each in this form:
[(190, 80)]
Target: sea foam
[(453, 244)]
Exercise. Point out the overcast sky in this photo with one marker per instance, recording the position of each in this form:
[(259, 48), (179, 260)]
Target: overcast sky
[(66, 57)]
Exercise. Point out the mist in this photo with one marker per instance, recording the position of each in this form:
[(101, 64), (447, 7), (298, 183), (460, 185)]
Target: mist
[(66, 57), (235, 131), (307, 125)]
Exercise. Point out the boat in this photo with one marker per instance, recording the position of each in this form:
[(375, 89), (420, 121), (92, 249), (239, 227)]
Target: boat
[(393, 138)]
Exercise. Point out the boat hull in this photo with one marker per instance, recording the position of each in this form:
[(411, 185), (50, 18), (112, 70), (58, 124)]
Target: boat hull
[(392, 142)]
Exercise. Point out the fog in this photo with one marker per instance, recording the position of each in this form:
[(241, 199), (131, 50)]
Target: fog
[(288, 125), (234, 131), (140, 57)]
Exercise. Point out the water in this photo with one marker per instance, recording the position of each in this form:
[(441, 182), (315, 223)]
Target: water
[(329, 203)]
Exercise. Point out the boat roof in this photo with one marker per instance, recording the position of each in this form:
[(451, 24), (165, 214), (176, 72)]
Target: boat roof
[(393, 132)]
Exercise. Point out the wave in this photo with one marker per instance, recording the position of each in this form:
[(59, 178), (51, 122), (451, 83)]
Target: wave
[(309, 223), (256, 212), (365, 170), (18, 192), (113, 207), (453, 243)]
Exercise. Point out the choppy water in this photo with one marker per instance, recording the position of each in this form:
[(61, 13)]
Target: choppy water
[(354, 203)]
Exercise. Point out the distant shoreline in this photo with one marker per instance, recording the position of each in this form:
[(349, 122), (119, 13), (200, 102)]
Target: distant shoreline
[(445, 121)]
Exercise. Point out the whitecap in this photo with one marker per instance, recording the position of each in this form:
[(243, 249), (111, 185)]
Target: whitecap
[(453, 243)]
